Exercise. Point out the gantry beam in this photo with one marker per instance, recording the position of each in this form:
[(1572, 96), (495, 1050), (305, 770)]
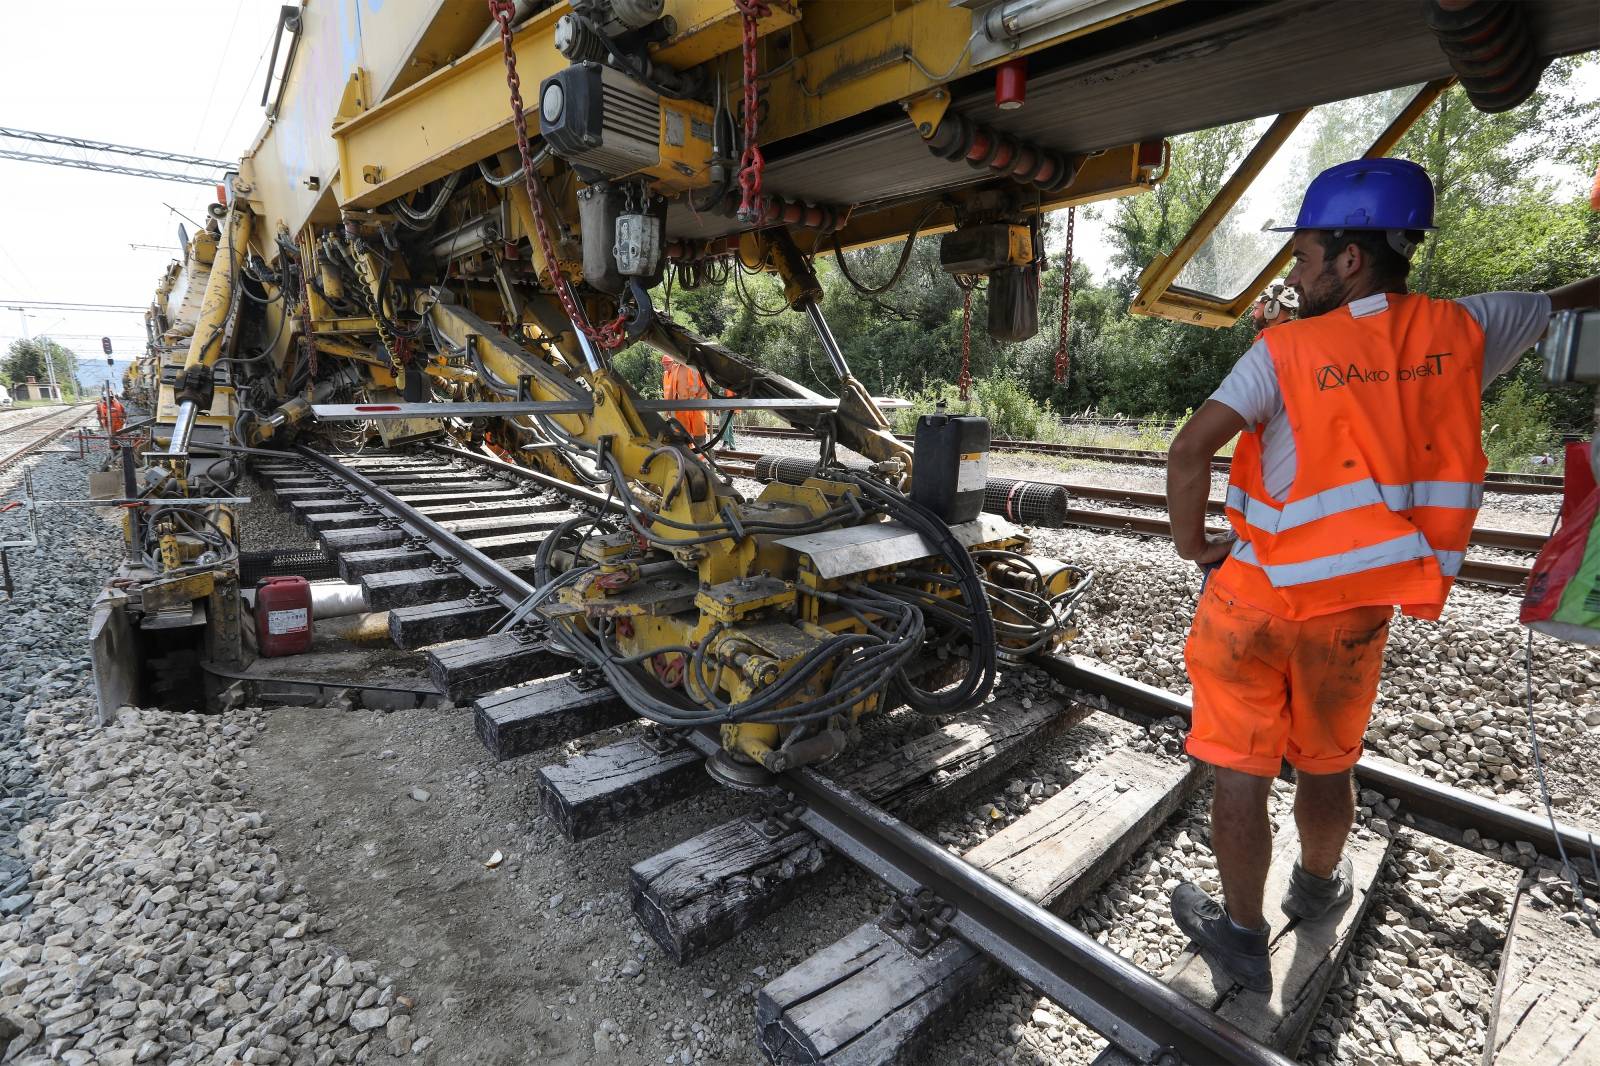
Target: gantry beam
[(108, 166)]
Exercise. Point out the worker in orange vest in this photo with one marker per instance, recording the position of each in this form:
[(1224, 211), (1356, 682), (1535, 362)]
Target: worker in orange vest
[(679, 381), (110, 413), (1354, 486)]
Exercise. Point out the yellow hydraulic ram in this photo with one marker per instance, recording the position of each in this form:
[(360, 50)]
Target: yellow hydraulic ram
[(196, 384)]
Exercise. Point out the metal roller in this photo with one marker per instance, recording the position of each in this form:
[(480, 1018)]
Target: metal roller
[(984, 147), (1032, 503)]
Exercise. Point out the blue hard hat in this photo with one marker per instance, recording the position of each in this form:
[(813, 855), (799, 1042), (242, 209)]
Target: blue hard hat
[(1378, 194)]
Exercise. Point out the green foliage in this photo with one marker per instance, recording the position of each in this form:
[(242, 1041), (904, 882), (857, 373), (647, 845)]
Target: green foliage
[(1506, 223), (27, 358), (640, 366), (1516, 427), (1001, 399)]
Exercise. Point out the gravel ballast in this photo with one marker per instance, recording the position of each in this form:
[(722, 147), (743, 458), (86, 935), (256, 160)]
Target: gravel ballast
[(318, 885)]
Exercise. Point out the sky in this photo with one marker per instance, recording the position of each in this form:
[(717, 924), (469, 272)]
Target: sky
[(65, 234), (151, 77), (181, 76)]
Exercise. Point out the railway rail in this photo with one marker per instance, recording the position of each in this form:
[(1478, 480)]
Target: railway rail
[(442, 539), (1496, 480), (19, 439), (1169, 425), (1493, 573), (1473, 571)]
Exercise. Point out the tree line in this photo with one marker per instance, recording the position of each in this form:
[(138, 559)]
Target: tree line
[(28, 358), (1507, 222)]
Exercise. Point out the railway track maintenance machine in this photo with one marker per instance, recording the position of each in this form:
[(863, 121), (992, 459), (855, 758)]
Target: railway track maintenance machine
[(457, 212)]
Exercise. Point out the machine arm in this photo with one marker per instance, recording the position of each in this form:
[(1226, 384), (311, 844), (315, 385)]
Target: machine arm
[(196, 383)]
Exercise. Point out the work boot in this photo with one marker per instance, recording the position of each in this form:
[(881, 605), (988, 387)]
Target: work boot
[(1311, 897), (1242, 953)]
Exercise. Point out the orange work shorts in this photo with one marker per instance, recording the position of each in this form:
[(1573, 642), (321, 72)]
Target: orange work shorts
[(1266, 688)]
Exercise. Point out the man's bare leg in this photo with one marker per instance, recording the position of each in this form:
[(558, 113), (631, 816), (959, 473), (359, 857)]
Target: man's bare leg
[(1241, 838), (1324, 811)]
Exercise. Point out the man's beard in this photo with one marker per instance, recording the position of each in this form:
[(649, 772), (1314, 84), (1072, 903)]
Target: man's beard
[(1321, 296)]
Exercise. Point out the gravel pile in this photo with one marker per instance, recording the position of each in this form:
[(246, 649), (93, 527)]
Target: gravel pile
[(162, 926), (41, 630), (1415, 988), (144, 916), (263, 525), (1453, 700), (189, 889)]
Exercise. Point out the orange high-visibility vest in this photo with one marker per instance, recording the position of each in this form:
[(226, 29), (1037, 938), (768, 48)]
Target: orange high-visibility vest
[(682, 382), (1385, 408)]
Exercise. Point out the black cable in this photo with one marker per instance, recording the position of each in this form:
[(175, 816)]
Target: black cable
[(979, 679), (900, 267), (421, 220)]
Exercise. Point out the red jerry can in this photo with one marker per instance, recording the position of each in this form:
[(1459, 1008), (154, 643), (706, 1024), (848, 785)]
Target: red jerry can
[(283, 616)]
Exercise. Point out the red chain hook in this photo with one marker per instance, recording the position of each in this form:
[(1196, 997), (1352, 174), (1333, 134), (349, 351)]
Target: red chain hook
[(751, 161), (612, 334), (1063, 357)]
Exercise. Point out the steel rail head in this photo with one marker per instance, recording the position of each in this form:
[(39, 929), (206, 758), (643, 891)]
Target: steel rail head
[(1140, 1015), (538, 477), (1497, 480), (440, 541), (1441, 810)]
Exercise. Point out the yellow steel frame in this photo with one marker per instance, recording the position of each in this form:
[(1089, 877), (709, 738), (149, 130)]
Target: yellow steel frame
[(847, 58), (1106, 176), (1157, 296), (448, 120), (915, 47), (462, 113)]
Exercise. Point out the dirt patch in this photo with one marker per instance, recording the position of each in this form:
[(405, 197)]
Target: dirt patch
[(537, 959)]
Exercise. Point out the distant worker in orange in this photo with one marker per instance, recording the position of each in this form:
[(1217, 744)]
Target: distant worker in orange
[(111, 414), (1354, 486), (680, 381)]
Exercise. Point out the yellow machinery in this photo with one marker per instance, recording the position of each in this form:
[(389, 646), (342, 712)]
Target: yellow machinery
[(456, 201)]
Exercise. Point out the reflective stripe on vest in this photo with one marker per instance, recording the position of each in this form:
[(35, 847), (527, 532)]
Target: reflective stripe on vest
[(1363, 493), (1403, 549)]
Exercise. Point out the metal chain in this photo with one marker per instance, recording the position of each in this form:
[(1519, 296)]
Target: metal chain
[(1063, 357), (965, 380), (611, 334), (751, 161)]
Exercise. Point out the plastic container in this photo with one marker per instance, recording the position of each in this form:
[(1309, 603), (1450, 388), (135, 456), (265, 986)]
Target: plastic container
[(283, 616), (950, 465)]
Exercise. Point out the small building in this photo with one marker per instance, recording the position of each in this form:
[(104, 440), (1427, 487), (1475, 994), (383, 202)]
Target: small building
[(36, 390)]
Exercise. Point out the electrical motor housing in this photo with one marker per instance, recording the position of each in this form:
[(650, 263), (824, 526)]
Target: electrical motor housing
[(599, 207), (603, 121), (981, 249), (638, 245), (620, 242), (617, 17)]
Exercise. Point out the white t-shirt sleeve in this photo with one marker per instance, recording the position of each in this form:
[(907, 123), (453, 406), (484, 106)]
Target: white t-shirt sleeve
[(1511, 322), (1251, 387)]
